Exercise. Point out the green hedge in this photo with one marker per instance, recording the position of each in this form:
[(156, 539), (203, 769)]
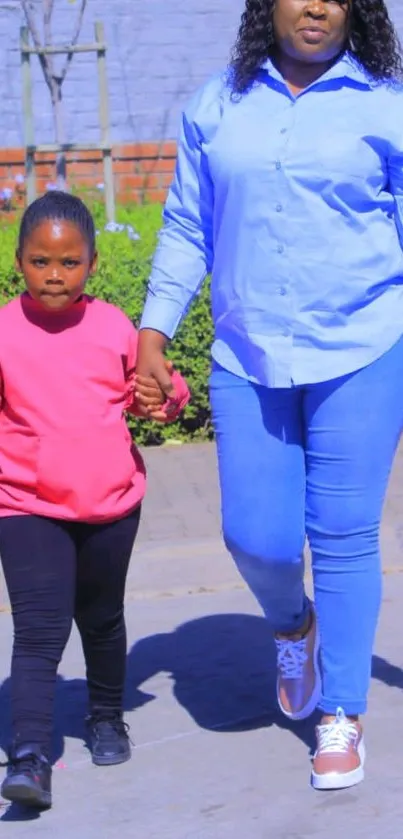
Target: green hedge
[(121, 279)]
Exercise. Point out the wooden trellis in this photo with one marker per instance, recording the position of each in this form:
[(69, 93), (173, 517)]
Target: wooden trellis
[(104, 144)]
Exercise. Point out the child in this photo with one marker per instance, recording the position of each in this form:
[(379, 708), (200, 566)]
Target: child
[(71, 485)]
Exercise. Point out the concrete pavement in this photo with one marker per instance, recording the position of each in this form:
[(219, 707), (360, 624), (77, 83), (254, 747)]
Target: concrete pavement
[(214, 759)]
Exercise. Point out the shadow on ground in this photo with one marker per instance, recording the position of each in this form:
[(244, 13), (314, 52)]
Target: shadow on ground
[(222, 671)]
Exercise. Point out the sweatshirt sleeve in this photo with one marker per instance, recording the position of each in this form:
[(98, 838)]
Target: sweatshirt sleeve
[(174, 405)]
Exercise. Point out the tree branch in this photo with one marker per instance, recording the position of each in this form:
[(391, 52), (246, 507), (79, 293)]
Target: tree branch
[(47, 6), (47, 20), (46, 61), (30, 18), (76, 34)]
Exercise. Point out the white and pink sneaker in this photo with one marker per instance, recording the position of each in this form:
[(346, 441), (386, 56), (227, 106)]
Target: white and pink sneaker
[(299, 683)]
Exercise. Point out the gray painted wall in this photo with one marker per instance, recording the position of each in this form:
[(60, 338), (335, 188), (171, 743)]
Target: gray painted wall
[(159, 52)]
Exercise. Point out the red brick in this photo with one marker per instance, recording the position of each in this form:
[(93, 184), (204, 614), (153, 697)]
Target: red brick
[(79, 168), (168, 149), (165, 178), (86, 155), (138, 182), (12, 156), (155, 196), (136, 150), (78, 181), (157, 165), (121, 152), (98, 170), (89, 168), (44, 157), (41, 184), (141, 169), (129, 197), (125, 167), (46, 170), (144, 150)]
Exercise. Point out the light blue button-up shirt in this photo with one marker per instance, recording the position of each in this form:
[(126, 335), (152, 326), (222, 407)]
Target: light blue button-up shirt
[(295, 205)]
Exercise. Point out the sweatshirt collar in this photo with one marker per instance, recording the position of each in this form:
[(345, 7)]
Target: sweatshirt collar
[(53, 321)]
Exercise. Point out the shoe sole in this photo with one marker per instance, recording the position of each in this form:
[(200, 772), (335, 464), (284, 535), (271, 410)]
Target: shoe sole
[(20, 793), (341, 780), (311, 706), (111, 761)]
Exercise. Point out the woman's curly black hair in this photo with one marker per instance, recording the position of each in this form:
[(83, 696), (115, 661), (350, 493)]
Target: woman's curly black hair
[(374, 41)]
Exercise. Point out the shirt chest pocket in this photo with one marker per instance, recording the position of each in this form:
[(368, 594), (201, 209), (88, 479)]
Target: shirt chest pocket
[(345, 153)]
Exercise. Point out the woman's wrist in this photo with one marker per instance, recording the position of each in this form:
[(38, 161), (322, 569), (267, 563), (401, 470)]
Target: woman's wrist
[(151, 339)]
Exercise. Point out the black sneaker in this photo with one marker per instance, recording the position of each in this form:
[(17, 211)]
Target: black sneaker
[(28, 779), (109, 740)]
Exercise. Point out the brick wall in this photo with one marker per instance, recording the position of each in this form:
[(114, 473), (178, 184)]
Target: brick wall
[(142, 171), (159, 51)]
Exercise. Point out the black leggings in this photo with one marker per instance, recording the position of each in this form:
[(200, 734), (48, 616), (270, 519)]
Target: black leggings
[(57, 572)]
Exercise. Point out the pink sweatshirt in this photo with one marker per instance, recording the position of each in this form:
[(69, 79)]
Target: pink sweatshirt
[(66, 380)]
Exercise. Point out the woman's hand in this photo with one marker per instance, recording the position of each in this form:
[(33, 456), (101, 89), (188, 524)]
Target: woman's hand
[(152, 365), (152, 362), (154, 371)]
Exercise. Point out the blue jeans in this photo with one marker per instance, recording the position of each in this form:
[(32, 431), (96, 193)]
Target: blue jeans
[(312, 461)]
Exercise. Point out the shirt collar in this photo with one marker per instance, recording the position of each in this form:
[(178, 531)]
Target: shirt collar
[(345, 67)]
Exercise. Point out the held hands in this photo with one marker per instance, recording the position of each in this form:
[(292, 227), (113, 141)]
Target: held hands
[(161, 393), (154, 401)]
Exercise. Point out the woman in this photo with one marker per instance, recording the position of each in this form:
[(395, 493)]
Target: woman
[(288, 187)]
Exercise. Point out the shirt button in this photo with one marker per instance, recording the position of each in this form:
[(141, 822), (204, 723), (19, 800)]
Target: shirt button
[(280, 248), (278, 164), (283, 291), (279, 208)]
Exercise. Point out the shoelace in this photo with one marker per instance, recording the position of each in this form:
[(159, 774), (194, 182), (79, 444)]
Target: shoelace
[(28, 763), (107, 728), (337, 736), (291, 657)]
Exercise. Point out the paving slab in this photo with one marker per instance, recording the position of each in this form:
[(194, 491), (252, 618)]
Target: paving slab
[(183, 501), (179, 547), (214, 760)]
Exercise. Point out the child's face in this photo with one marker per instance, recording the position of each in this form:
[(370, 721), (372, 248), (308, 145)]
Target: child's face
[(56, 263)]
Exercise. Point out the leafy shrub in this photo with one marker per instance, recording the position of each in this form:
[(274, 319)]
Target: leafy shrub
[(124, 267)]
